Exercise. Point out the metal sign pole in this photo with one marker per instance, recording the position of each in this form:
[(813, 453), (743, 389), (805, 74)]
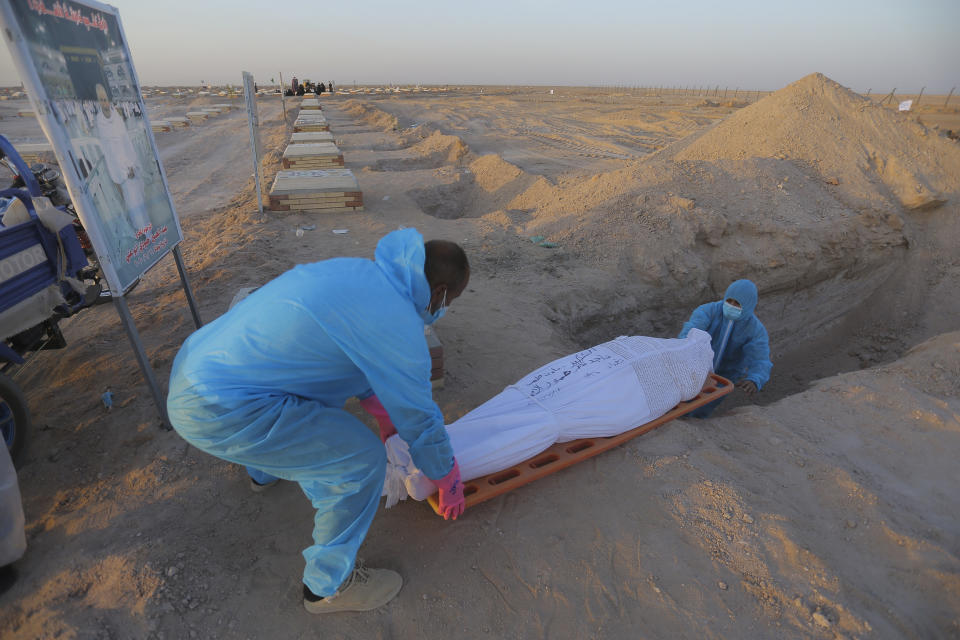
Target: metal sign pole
[(186, 287), (254, 121), (145, 368)]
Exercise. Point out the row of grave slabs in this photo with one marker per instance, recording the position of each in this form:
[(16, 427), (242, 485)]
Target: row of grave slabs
[(313, 178)]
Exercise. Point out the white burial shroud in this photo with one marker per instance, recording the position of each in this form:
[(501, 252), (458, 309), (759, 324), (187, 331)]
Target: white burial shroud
[(602, 391)]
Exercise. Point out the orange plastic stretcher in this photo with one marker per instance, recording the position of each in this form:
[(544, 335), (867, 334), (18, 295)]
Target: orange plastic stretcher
[(562, 455)]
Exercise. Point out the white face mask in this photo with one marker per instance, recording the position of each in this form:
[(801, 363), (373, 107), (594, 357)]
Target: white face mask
[(731, 312), (430, 318)]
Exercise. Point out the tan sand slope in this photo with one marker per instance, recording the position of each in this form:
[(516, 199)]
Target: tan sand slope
[(695, 224), (841, 136), (822, 512)]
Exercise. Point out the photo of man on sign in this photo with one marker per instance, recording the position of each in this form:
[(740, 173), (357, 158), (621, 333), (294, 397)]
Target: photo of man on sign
[(123, 164)]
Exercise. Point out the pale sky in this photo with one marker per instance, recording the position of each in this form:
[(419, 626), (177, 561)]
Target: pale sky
[(751, 44)]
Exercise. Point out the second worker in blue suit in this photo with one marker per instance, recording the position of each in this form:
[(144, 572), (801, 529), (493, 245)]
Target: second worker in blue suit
[(745, 354)]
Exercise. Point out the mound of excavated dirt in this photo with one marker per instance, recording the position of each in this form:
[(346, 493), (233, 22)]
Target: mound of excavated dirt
[(492, 172), (808, 192), (432, 152), (450, 148), (371, 115), (843, 137), (417, 133), (488, 184)]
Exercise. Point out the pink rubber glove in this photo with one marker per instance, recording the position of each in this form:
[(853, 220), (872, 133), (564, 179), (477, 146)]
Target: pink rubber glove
[(450, 493), (372, 406)]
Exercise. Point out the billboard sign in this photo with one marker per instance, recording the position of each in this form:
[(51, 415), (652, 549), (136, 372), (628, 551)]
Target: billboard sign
[(75, 63)]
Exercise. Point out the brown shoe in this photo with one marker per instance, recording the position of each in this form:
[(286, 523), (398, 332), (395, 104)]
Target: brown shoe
[(364, 590), (256, 487)]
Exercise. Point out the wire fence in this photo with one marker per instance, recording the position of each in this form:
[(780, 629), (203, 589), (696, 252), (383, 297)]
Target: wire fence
[(894, 98), (716, 92), (741, 95)]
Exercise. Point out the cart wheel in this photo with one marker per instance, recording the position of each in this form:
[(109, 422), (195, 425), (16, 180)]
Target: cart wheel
[(14, 416)]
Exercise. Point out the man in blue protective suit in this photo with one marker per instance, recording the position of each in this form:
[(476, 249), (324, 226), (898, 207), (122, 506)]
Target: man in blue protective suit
[(740, 344), (265, 384)]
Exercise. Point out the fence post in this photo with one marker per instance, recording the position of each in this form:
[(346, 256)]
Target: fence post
[(948, 97), (919, 96), (283, 101)]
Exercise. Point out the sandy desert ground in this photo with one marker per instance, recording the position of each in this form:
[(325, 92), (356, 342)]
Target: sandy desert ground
[(827, 509)]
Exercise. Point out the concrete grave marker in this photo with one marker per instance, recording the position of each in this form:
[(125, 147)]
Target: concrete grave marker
[(320, 190), (311, 136), (312, 155)]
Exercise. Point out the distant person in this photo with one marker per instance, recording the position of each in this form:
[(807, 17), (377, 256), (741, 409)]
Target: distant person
[(330, 87), (321, 89), (13, 541), (739, 338), (122, 161), (301, 90)]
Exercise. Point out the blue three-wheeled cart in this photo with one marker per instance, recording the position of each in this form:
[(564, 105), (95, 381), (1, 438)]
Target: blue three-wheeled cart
[(44, 277)]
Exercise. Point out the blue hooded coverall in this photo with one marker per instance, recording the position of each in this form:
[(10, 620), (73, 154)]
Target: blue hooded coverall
[(747, 355), (264, 386)]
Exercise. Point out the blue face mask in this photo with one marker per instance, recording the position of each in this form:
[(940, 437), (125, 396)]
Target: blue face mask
[(430, 318), (731, 312)]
